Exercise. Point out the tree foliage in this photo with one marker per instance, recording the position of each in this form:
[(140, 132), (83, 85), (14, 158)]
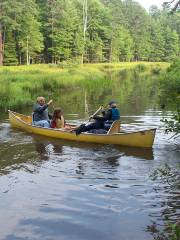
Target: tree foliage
[(55, 31), (170, 86)]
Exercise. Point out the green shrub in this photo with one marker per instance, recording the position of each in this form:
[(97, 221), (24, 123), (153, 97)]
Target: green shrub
[(141, 67), (156, 70)]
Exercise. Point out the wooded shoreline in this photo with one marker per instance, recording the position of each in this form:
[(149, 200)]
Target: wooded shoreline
[(81, 31)]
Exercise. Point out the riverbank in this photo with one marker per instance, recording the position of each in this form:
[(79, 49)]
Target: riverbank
[(20, 85)]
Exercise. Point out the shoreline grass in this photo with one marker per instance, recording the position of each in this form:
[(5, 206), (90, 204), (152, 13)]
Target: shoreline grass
[(20, 85), (100, 66)]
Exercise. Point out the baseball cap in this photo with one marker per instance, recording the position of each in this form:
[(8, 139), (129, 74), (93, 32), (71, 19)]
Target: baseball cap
[(112, 102)]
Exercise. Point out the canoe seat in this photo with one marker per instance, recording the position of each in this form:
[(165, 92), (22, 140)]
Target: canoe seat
[(115, 127)]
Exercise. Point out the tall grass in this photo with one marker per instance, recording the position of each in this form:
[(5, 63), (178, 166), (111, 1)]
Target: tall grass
[(20, 85)]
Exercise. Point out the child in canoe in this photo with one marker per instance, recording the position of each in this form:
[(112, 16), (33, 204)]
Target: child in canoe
[(57, 119), (59, 122)]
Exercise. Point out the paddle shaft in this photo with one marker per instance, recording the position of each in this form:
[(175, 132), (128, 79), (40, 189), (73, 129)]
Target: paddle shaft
[(97, 111)]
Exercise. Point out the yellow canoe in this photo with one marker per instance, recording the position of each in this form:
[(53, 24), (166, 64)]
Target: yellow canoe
[(144, 138)]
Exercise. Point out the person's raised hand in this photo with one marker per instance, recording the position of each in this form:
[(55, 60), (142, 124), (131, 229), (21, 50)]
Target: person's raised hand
[(50, 101)]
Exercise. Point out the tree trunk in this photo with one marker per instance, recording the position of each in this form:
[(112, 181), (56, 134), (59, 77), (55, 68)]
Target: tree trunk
[(20, 59), (85, 9), (86, 106), (110, 52), (1, 47), (27, 52), (1, 40)]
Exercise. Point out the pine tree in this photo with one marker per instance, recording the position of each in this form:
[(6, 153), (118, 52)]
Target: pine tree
[(97, 31), (171, 44), (10, 56), (89, 31), (138, 24), (62, 35), (1, 45), (8, 12), (29, 37), (157, 41)]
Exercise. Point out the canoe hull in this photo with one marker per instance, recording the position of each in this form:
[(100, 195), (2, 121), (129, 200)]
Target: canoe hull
[(134, 139)]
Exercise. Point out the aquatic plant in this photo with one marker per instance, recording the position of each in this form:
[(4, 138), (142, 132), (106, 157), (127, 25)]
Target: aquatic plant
[(172, 231), (169, 177)]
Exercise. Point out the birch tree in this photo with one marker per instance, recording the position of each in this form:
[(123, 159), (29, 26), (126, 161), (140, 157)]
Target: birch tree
[(85, 22)]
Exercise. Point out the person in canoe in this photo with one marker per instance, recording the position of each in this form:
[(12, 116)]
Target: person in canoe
[(40, 113), (57, 119), (102, 122)]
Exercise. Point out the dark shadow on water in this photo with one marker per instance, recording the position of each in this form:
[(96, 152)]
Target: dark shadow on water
[(142, 153)]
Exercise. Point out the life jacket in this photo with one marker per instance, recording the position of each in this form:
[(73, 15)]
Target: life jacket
[(115, 114)]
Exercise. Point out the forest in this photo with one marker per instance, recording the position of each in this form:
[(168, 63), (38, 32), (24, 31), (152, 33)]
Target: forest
[(81, 31)]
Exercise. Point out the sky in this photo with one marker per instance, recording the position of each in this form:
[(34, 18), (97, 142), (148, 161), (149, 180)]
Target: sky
[(147, 3)]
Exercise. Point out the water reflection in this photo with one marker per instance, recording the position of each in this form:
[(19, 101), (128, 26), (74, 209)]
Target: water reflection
[(45, 148), (48, 148), (14, 156), (134, 92), (167, 190), (141, 153)]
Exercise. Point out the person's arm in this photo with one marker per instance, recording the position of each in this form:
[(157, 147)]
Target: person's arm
[(106, 116), (39, 108), (62, 121)]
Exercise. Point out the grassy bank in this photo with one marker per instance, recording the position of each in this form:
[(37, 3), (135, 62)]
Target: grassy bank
[(20, 85)]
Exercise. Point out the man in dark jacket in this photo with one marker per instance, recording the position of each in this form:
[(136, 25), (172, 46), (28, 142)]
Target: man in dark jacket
[(40, 113), (102, 122)]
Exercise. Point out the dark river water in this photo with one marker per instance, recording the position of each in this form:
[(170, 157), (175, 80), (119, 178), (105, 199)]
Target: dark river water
[(53, 189)]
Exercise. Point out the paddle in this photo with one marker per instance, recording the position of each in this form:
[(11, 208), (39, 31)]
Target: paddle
[(78, 129), (94, 114)]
